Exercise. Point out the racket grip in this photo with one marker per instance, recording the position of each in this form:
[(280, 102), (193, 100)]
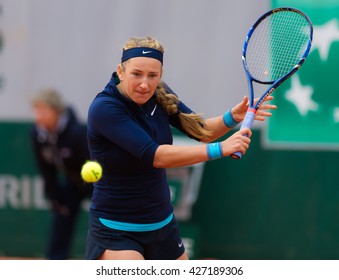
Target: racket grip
[(247, 123)]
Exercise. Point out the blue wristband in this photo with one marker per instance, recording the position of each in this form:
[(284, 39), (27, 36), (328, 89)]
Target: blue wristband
[(214, 150), (229, 121)]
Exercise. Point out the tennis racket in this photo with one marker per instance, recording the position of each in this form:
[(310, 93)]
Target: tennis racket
[(274, 49)]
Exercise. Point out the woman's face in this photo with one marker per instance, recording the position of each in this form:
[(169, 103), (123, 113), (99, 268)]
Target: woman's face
[(139, 78)]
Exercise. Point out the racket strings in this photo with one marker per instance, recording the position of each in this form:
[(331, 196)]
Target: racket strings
[(276, 45)]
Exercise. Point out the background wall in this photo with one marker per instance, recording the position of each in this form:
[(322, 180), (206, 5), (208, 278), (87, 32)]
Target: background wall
[(278, 202), (75, 46)]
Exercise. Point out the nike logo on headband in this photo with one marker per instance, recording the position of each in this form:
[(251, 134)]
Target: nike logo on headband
[(143, 52)]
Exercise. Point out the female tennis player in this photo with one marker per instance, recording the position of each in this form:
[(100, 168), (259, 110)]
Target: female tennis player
[(129, 134)]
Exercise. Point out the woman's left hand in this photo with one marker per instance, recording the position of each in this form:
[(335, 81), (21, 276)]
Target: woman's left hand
[(239, 111)]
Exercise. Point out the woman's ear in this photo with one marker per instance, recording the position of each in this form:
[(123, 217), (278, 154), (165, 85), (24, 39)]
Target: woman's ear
[(120, 72)]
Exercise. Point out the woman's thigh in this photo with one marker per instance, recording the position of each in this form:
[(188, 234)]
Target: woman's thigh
[(121, 255)]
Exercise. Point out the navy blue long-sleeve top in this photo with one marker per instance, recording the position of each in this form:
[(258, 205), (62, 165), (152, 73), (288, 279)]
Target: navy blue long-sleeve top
[(123, 137)]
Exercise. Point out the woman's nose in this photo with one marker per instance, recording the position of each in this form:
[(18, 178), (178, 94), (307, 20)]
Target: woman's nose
[(144, 83)]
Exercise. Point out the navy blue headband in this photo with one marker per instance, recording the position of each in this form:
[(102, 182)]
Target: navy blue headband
[(141, 52)]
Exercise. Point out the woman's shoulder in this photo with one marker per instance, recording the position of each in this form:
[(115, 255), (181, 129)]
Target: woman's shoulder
[(106, 107), (103, 99)]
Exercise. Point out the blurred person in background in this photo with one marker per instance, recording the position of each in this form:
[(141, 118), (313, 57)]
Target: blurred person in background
[(60, 148)]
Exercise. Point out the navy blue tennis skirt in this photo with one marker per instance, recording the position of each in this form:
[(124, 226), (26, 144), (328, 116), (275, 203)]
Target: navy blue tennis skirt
[(162, 244)]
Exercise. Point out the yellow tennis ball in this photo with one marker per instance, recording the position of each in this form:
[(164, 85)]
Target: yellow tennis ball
[(91, 171)]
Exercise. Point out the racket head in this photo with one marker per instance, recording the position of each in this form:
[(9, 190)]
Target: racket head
[(274, 49), (276, 46)]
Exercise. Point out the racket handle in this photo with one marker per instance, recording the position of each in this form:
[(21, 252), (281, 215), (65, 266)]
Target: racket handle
[(247, 123)]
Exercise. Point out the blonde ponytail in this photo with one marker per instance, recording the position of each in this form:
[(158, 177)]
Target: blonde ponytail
[(192, 123)]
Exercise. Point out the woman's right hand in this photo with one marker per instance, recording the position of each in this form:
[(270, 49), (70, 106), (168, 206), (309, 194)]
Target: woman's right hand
[(237, 142)]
